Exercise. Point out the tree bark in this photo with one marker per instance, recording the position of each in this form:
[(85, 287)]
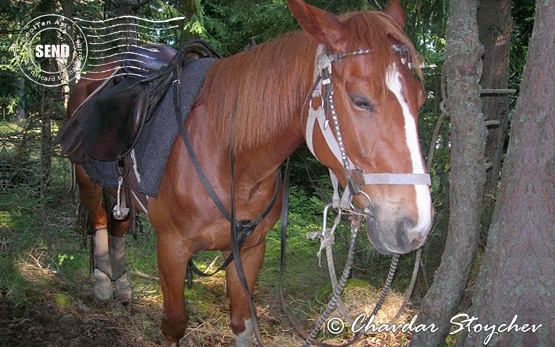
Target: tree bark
[(517, 278), (45, 146), (495, 27), (462, 69)]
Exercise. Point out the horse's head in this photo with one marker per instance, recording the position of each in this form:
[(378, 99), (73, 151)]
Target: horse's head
[(366, 132)]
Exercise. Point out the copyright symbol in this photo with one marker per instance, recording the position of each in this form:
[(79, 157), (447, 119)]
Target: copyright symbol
[(335, 325)]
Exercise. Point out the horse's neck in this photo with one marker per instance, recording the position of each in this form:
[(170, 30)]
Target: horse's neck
[(275, 150), (269, 91), (262, 162)]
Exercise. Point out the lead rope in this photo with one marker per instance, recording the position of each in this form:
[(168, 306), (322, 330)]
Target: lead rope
[(286, 311), (328, 239), (337, 290), (338, 287)]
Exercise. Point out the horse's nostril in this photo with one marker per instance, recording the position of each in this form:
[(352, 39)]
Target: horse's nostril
[(407, 236), (416, 238), (407, 225)]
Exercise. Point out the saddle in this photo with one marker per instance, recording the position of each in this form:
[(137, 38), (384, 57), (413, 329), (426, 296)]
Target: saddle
[(106, 126)]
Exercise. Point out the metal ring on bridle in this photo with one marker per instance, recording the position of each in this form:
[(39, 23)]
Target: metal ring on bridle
[(314, 97), (365, 210)]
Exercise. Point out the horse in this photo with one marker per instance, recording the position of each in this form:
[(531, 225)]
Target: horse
[(350, 87)]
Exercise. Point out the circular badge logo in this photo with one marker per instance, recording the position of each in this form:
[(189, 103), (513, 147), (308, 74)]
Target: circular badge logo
[(51, 50)]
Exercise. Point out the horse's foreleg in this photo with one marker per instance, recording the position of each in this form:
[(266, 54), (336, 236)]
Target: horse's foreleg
[(173, 257), (241, 323)]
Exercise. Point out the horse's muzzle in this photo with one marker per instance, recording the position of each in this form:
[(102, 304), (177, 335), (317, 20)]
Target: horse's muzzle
[(399, 237)]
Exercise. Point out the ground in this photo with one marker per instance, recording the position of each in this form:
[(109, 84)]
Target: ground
[(56, 322), (47, 301)]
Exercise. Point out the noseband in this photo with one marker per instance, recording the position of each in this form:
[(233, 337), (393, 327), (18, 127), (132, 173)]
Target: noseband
[(356, 177)]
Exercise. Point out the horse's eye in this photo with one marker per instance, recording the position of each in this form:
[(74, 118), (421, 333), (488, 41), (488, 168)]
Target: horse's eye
[(362, 103)]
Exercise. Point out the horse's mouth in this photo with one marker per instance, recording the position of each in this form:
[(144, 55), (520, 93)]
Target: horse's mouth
[(389, 241), (372, 230)]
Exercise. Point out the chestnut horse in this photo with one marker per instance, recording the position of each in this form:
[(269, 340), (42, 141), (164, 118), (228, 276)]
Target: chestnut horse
[(359, 67)]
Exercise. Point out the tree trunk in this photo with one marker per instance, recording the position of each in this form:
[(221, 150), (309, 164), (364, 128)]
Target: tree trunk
[(495, 27), (468, 136), (45, 146), (517, 278), (45, 171)]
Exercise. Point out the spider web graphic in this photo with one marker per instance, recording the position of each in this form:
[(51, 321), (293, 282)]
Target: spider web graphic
[(126, 36)]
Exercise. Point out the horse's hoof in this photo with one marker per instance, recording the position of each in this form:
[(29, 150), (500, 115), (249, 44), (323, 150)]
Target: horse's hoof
[(170, 344), (102, 291), (124, 290)]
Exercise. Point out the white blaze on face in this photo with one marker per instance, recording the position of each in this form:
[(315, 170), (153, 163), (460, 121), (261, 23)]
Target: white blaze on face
[(423, 199)]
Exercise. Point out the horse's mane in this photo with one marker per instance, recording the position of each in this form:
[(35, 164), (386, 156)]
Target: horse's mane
[(261, 89)]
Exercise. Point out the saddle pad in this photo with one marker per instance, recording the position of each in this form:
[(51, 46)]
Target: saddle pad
[(158, 135)]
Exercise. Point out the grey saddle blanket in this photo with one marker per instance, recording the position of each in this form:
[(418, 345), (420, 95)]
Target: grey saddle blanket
[(157, 136)]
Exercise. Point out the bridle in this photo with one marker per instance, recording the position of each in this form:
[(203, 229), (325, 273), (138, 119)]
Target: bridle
[(326, 113), (356, 178)]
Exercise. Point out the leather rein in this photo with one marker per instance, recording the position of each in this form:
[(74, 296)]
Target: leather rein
[(241, 230)]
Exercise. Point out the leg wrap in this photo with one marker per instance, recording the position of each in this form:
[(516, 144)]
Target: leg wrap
[(124, 290), (101, 252), (102, 290), (117, 256)]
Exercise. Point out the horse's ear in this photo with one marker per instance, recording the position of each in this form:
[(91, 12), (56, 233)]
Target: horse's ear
[(323, 26), (396, 12)]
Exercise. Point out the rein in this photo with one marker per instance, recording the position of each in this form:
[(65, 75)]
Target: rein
[(241, 230), (337, 287)]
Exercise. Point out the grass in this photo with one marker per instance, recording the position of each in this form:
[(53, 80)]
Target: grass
[(46, 282)]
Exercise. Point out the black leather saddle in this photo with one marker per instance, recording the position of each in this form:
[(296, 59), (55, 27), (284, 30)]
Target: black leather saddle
[(108, 124), (117, 113)]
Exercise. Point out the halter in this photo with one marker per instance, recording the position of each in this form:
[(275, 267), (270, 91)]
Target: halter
[(326, 112)]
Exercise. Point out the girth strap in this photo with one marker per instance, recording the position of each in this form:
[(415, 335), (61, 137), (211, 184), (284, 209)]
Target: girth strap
[(243, 230)]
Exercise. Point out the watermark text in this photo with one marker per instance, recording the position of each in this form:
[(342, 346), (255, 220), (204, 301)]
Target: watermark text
[(459, 323)]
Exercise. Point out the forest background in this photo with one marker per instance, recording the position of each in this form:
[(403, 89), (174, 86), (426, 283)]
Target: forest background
[(45, 271)]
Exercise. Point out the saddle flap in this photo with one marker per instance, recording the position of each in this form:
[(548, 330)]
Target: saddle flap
[(108, 123), (114, 121)]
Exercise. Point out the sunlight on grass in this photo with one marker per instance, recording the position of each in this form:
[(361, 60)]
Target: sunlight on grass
[(51, 267)]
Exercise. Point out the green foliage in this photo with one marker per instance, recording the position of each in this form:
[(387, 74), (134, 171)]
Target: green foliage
[(233, 25), (304, 216), (523, 17), (425, 25)]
